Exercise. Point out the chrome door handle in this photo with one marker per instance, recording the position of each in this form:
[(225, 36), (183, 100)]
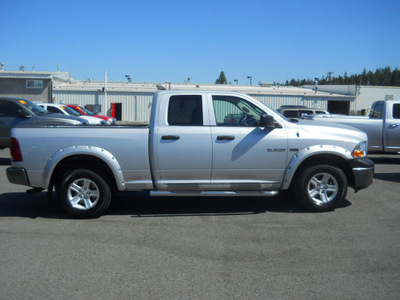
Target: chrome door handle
[(393, 125), (170, 137), (225, 138)]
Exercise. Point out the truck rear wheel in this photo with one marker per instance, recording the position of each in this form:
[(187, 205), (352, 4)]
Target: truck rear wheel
[(83, 193), (321, 188)]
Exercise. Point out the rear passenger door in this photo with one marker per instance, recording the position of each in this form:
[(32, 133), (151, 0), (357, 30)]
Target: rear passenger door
[(182, 144), (393, 127)]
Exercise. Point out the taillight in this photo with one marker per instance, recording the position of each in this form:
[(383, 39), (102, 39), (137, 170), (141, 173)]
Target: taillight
[(15, 150)]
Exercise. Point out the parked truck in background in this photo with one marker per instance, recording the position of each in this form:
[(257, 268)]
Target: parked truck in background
[(20, 111), (191, 148), (382, 125)]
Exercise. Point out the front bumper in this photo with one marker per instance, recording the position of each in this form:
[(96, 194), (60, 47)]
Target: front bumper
[(17, 176), (363, 173)]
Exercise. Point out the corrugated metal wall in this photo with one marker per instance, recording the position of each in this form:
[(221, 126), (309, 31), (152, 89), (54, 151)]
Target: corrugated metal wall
[(137, 106), (275, 101), (78, 98), (354, 110)]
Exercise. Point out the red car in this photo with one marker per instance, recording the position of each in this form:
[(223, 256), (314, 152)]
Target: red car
[(84, 111)]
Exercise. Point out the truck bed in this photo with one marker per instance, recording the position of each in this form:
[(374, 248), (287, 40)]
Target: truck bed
[(127, 145)]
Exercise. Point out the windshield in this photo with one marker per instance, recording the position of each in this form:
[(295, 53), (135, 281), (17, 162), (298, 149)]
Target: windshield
[(88, 112), (78, 111), (70, 111), (33, 107)]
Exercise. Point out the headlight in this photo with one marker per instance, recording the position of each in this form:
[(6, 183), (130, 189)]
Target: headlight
[(360, 150)]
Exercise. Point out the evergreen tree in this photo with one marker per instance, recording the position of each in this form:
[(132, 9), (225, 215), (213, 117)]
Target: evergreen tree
[(221, 79), (395, 78), (381, 77)]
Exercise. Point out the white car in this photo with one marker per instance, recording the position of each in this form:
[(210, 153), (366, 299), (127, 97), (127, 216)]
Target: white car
[(64, 109)]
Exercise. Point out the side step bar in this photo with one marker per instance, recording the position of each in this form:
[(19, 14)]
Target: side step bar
[(214, 193)]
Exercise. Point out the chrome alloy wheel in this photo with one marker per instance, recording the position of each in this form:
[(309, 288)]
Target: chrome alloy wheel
[(322, 188), (83, 194)]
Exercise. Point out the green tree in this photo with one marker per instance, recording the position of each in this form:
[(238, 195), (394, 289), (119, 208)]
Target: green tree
[(221, 79), (395, 78), (364, 77), (381, 77)]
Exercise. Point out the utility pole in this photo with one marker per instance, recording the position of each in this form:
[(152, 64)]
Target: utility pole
[(105, 93), (329, 75)]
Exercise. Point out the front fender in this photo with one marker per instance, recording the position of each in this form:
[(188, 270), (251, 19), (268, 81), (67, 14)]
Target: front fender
[(100, 153), (308, 152)]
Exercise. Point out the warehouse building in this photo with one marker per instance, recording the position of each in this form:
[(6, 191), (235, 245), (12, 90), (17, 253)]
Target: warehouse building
[(131, 101), (364, 95)]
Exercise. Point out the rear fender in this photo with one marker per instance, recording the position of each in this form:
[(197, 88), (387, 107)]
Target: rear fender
[(97, 152)]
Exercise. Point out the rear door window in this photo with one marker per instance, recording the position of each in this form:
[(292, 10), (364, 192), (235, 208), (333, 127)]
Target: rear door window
[(55, 110), (305, 112), (377, 110), (291, 114), (185, 110), (8, 109), (396, 111)]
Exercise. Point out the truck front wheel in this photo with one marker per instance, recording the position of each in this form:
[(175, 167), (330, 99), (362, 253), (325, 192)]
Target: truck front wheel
[(83, 193), (321, 188)]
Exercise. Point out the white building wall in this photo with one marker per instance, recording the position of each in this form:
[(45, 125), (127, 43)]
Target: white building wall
[(368, 94), (275, 102)]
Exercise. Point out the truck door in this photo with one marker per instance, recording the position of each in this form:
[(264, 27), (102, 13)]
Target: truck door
[(245, 156), (182, 145), (393, 128)]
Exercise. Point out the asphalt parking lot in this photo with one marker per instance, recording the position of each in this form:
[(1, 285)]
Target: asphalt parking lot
[(203, 248)]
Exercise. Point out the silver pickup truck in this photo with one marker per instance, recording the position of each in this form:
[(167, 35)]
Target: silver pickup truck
[(193, 148), (382, 125)]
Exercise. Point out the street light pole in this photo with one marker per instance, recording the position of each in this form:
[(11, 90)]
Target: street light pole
[(105, 93), (250, 77)]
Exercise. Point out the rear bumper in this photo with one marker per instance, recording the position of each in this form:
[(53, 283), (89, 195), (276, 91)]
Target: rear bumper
[(363, 173), (17, 176)]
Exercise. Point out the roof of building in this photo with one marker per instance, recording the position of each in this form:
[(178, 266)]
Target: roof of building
[(149, 87), (60, 76)]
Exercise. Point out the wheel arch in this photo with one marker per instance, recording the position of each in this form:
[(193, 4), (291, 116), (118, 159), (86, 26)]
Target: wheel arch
[(82, 157), (318, 155)]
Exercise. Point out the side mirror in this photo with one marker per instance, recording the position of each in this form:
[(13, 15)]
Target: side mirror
[(22, 114), (267, 121)]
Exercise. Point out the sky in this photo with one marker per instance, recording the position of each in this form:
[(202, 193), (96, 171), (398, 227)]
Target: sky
[(159, 41)]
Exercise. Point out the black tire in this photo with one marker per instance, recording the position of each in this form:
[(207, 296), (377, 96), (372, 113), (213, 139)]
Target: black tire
[(82, 193), (321, 188)]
